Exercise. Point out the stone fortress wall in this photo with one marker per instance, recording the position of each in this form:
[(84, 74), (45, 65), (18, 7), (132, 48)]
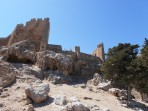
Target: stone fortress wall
[(4, 41), (37, 30), (99, 52)]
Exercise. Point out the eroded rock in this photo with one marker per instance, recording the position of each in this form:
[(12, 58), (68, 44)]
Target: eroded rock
[(7, 73), (60, 100), (37, 93)]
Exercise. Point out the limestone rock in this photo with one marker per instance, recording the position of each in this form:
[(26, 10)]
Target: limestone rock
[(95, 108), (76, 106), (73, 99), (7, 74), (104, 85), (49, 60), (114, 91), (30, 108), (64, 63), (96, 79), (3, 49), (38, 93), (56, 77), (32, 70), (60, 100), (22, 52), (122, 94)]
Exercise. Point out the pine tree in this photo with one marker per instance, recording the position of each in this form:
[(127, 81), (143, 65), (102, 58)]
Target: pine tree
[(118, 68)]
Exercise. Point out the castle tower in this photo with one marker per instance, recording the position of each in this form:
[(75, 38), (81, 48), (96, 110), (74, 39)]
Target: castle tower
[(99, 52)]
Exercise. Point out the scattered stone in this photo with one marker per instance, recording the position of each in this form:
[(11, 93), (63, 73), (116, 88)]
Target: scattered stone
[(5, 89), (73, 99), (87, 98), (114, 91), (1, 104), (106, 109), (95, 108), (38, 93), (27, 101), (83, 85), (3, 95), (30, 108), (104, 86), (90, 88), (76, 106), (7, 74), (60, 100)]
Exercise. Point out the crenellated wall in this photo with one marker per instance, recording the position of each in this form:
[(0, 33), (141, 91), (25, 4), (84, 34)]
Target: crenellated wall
[(82, 56), (36, 30)]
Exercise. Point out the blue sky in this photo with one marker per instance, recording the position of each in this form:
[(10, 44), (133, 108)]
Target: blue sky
[(81, 22)]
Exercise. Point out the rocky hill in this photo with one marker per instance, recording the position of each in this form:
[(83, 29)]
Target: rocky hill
[(37, 76)]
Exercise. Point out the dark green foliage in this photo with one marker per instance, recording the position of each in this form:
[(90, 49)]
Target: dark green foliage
[(142, 69), (119, 66)]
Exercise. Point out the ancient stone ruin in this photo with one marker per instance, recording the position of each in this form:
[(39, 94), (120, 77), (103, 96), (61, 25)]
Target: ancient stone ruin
[(37, 76), (29, 44), (99, 52)]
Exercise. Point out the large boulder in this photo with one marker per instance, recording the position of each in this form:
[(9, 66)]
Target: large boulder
[(23, 52), (7, 73), (64, 63), (49, 60), (46, 60), (118, 93), (97, 79), (104, 86), (38, 93)]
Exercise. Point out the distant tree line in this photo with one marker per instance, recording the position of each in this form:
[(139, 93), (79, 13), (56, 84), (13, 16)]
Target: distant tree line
[(127, 67)]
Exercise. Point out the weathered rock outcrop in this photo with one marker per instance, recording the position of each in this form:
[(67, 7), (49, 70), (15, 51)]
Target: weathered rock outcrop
[(56, 77), (7, 74), (28, 44), (23, 51), (37, 93), (49, 60)]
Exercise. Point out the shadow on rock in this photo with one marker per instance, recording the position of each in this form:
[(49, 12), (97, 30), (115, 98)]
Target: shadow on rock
[(48, 101)]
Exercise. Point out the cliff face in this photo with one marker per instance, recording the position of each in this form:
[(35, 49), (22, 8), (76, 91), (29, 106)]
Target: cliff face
[(34, 30)]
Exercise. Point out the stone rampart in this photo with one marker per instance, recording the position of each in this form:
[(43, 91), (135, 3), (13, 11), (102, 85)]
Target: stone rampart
[(4, 41), (55, 48)]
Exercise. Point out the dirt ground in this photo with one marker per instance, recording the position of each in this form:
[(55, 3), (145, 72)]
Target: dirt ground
[(13, 97)]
